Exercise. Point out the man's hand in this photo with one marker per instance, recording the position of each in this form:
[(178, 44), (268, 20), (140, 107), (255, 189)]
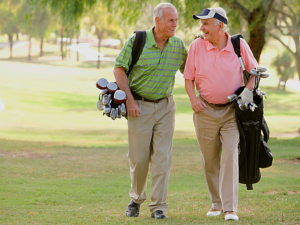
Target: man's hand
[(198, 105), (246, 96), (133, 109)]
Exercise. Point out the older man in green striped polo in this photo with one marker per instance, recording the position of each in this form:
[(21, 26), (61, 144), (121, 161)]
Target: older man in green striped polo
[(151, 108)]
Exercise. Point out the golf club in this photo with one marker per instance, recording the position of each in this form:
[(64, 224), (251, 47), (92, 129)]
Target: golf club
[(254, 72), (123, 109), (100, 105), (113, 113), (264, 75), (106, 98), (261, 69), (232, 97)]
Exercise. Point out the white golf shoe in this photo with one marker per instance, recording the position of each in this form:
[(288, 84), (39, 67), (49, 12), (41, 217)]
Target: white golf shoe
[(214, 213), (230, 216)]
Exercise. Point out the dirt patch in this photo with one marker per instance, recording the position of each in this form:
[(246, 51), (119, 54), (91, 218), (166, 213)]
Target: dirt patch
[(272, 192), (28, 155), (295, 160)]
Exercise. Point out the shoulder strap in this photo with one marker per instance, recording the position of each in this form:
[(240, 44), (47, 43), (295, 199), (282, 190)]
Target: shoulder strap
[(235, 39), (137, 48)]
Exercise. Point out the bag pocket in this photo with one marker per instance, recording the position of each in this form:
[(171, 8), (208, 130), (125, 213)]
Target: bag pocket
[(265, 155)]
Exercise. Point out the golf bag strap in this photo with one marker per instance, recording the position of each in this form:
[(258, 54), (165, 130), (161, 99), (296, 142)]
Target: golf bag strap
[(235, 39), (137, 48)]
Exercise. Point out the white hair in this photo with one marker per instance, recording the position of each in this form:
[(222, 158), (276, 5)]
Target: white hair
[(158, 10), (222, 12)]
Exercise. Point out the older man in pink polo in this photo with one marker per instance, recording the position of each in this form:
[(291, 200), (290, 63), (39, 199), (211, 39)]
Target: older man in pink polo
[(213, 67)]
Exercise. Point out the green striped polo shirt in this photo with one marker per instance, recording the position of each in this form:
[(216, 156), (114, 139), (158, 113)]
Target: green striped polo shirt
[(153, 76)]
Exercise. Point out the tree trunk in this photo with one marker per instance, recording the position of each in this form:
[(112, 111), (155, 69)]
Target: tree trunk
[(61, 41), (10, 38), (278, 86), (29, 48), (99, 46), (257, 32), (41, 46), (77, 48), (100, 35), (17, 36), (298, 66)]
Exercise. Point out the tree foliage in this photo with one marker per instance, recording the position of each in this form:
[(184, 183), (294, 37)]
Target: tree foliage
[(284, 68), (255, 12), (286, 23)]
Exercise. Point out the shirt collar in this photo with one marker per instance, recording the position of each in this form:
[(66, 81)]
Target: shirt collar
[(228, 48), (151, 40)]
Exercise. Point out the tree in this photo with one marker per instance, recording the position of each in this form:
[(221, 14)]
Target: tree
[(284, 68), (9, 11), (255, 12), (286, 23), (101, 21)]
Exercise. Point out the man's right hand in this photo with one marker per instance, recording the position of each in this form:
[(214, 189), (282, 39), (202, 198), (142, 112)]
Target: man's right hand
[(133, 109), (198, 105)]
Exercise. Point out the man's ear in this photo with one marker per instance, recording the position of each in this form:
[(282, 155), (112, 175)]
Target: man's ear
[(157, 20), (221, 25)]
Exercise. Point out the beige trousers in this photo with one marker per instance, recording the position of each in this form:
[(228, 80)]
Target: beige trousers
[(150, 138), (216, 127)]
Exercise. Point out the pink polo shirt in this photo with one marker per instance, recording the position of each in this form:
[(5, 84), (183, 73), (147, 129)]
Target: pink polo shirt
[(217, 73)]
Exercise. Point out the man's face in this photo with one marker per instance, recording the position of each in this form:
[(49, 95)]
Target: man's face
[(168, 26), (210, 29)]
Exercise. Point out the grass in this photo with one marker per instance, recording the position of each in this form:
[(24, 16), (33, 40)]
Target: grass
[(62, 162)]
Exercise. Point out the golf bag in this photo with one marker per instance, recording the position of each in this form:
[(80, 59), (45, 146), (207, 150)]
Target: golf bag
[(253, 150)]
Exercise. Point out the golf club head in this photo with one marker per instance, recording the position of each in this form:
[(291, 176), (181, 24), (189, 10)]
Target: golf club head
[(106, 99), (113, 114), (232, 97), (252, 108), (247, 104), (107, 109), (264, 75), (242, 107), (119, 115), (100, 105), (123, 109), (261, 69), (254, 72), (258, 91), (252, 103), (103, 91)]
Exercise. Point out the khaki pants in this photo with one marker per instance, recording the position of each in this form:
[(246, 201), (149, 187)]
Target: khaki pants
[(216, 127), (150, 138)]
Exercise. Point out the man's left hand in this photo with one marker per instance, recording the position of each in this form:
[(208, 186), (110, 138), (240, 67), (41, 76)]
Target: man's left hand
[(246, 96)]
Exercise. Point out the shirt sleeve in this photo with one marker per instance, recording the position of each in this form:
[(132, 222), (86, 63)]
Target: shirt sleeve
[(189, 71), (184, 58), (247, 56), (125, 57)]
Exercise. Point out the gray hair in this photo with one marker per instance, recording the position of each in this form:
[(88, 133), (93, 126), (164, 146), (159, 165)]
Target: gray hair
[(222, 12), (158, 10)]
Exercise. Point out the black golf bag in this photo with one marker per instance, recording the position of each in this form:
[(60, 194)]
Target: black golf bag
[(253, 150)]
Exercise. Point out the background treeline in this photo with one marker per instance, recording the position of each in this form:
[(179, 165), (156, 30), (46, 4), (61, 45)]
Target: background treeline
[(258, 20)]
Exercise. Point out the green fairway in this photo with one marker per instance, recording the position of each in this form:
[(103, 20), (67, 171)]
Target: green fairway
[(62, 162)]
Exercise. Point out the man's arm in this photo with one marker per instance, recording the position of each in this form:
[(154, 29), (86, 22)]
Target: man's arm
[(133, 109), (197, 104)]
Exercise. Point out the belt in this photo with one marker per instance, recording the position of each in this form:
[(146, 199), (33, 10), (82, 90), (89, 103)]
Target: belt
[(217, 105), (221, 105), (138, 97)]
